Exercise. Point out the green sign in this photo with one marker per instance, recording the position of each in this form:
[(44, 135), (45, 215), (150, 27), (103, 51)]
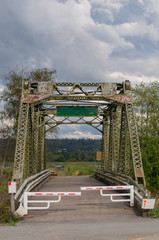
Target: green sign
[(77, 111)]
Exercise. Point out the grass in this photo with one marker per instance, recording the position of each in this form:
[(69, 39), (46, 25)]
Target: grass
[(154, 213), (74, 168), (4, 196)]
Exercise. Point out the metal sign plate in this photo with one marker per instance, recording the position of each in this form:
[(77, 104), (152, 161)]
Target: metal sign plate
[(11, 187), (76, 111), (148, 203)]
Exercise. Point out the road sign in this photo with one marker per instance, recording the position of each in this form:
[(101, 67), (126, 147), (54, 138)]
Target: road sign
[(11, 187), (77, 111), (148, 203)]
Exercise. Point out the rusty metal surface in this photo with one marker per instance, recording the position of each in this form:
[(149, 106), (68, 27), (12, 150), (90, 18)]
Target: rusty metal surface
[(115, 120)]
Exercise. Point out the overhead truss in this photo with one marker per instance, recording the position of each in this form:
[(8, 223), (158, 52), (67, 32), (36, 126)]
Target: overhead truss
[(115, 120)]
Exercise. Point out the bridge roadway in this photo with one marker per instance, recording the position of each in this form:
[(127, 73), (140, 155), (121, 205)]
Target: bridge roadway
[(90, 216)]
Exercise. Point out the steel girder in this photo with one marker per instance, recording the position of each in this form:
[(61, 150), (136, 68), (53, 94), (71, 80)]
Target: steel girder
[(135, 146), (30, 145), (120, 144), (21, 152), (105, 143)]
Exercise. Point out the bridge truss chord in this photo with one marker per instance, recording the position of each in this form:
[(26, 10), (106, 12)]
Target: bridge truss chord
[(107, 107)]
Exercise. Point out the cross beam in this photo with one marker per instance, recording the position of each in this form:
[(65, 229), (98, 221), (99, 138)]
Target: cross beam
[(115, 120)]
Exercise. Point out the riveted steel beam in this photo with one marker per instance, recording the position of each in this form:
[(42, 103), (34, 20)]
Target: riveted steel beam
[(105, 142), (115, 119), (21, 143), (135, 146)]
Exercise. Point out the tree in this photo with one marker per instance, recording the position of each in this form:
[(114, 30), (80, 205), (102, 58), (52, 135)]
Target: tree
[(61, 158), (12, 93), (6, 141), (11, 99), (147, 108)]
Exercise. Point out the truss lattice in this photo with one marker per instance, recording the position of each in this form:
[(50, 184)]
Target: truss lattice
[(115, 121)]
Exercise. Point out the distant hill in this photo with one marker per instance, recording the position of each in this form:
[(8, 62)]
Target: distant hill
[(73, 145), (60, 149)]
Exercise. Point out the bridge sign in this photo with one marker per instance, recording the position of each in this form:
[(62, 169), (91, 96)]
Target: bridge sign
[(11, 187), (76, 111), (148, 203)]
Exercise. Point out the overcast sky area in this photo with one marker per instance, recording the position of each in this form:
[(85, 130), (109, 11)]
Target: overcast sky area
[(84, 40)]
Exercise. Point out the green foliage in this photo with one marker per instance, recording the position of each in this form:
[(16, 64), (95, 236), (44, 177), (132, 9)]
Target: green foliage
[(154, 213), (42, 75), (74, 145), (79, 169), (12, 94), (60, 158), (147, 108), (72, 150), (4, 196), (11, 99), (75, 168), (13, 222)]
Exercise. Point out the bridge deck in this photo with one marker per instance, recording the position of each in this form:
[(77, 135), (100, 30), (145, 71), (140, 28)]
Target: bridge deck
[(89, 206), (82, 218)]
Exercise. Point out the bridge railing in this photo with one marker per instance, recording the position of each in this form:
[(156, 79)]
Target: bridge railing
[(30, 183), (118, 178), (141, 196)]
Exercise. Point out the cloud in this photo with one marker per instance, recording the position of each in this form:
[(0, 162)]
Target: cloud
[(66, 36), (78, 131), (84, 40)]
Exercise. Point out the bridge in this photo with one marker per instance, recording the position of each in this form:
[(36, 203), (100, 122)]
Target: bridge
[(107, 107)]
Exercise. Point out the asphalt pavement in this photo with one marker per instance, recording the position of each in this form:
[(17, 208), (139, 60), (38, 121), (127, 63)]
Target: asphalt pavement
[(89, 216)]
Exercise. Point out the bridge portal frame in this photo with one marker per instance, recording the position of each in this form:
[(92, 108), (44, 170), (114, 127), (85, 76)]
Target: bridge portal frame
[(38, 115)]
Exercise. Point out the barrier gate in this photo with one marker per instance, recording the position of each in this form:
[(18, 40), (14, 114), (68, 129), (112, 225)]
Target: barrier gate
[(26, 201), (49, 194), (111, 195)]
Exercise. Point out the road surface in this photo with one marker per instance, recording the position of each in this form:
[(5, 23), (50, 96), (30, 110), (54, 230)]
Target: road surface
[(90, 216)]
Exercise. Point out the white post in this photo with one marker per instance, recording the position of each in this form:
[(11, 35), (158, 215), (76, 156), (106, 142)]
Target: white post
[(131, 196), (25, 203)]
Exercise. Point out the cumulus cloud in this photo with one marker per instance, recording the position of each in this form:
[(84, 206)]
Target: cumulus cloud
[(67, 35), (84, 40), (78, 131)]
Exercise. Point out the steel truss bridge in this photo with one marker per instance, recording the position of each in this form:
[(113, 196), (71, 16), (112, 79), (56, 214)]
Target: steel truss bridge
[(46, 105)]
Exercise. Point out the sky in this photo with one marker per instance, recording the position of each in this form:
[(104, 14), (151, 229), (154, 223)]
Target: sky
[(84, 40)]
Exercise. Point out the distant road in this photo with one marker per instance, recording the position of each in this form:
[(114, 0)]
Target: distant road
[(90, 216)]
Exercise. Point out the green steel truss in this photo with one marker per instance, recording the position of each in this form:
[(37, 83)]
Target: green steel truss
[(115, 120)]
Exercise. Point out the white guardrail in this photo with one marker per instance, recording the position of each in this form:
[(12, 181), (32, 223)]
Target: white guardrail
[(111, 195), (128, 194), (26, 201), (141, 196)]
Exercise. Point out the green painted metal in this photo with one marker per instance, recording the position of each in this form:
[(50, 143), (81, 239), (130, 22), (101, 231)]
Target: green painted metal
[(135, 146), (106, 139), (43, 107), (77, 111)]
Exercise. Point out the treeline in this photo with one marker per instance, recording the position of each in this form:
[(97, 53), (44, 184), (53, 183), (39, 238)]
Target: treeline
[(72, 150), (59, 150), (146, 101), (73, 145)]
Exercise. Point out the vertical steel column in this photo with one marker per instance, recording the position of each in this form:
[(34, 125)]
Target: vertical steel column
[(105, 150), (19, 160), (36, 139), (124, 153), (26, 160), (128, 156), (31, 145), (28, 164), (41, 145), (43, 158), (102, 157), (110, 161), (135, 146), (116, 118)]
